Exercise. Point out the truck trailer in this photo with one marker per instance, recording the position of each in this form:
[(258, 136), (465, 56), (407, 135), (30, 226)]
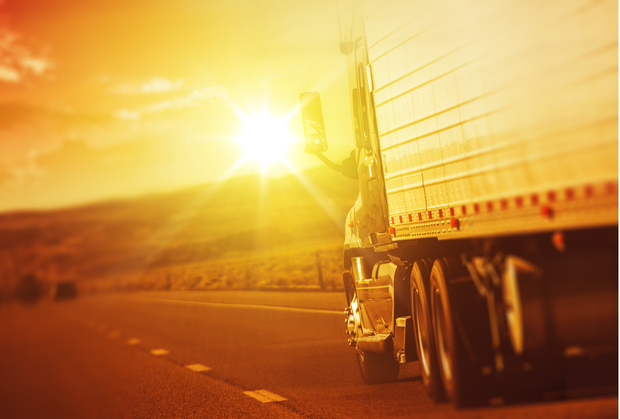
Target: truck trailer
[(483, 243)]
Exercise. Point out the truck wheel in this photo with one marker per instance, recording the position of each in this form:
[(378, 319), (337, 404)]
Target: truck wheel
[(463, 340), (377, 368), (449, 349), (423, 328)]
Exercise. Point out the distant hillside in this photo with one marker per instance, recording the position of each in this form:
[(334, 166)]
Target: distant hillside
[(241, 217)]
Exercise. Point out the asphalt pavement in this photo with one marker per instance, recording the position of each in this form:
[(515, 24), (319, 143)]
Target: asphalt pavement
[(213, 354)]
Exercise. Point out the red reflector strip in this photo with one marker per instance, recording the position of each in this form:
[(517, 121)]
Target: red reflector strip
[(454, 223), (551, 196), (430, 215), (400, 218), (546, 211), (464, 210), (504, 204), (392, 231), (534, 199), (519, 201), (420, 216), (589, 190), (440, 213), (452, 212), (410, 216), (611, 188), (392, 220), (570, 194), (489, 206), (476, 208)]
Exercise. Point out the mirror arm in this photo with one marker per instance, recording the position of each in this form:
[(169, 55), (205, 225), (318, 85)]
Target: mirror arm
[(343, 168), (329, 163)]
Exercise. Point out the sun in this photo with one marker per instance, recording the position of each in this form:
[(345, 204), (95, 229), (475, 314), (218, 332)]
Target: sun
[(264, 139)]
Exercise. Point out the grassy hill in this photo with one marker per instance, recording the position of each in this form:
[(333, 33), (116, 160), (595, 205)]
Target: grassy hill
[(245, 232)]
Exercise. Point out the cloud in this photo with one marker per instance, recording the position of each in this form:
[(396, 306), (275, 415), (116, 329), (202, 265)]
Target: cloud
[(127, 115), (24, 173), (153, 85), (190, 100), (19, 60), (26, 127), (194, 98)]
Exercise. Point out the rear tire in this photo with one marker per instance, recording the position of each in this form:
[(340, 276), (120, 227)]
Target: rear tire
[(423, 329), (444, 331), (462, 335), (377, 368)]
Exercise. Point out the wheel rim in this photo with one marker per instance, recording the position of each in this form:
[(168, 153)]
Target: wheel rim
[(442, 345), (355, 309), (421, 325)]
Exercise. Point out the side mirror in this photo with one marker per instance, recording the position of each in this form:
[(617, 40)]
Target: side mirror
[(312, 120)]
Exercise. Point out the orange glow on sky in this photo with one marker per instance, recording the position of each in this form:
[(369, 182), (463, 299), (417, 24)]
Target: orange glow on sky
[(106, 99)]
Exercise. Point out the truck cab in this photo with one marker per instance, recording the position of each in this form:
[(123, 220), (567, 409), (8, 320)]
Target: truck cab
[(371, 213)]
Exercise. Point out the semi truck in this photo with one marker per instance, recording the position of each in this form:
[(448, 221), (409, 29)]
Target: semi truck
[(483, 243)]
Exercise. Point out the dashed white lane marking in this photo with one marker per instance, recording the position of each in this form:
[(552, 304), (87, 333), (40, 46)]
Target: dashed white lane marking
[(198, 367), (204, 303), (159, 352), (264, 396), (133, 341)]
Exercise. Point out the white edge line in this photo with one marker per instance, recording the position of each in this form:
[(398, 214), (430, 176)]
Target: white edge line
[(254, 306)]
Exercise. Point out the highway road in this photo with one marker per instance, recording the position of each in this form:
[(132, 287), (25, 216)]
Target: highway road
[(212, 354)]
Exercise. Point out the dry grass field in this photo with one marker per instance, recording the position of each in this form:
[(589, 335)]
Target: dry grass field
[(245, 233)]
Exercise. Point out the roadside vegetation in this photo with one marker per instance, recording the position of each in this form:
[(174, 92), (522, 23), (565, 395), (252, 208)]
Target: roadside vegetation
[(245, 233), (279, 270)]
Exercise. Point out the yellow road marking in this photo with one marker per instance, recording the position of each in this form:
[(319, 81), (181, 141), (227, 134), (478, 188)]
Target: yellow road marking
[(264, 396), (133, 341), (198, 367), (158, 352)]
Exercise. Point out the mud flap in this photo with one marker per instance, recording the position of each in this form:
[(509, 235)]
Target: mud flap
[(404, 341)]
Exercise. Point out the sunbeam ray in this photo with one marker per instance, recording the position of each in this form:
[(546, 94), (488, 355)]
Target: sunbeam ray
[(326, 203)]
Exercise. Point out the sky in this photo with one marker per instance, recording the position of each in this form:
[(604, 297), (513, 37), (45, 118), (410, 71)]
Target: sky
[(106, 99)]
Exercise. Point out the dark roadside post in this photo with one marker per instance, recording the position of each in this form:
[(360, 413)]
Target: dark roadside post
[(319, 271)]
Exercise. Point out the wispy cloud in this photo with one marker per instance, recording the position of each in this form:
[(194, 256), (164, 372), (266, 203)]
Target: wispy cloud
[(193, 99), (18, 60), (24, 127), (153, 85), (22, 173)]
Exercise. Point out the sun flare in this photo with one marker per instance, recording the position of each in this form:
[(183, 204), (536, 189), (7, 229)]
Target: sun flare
[(265, 139)]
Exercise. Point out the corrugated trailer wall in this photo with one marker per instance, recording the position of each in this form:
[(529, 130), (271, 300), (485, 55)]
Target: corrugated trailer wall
[(495, 116)]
